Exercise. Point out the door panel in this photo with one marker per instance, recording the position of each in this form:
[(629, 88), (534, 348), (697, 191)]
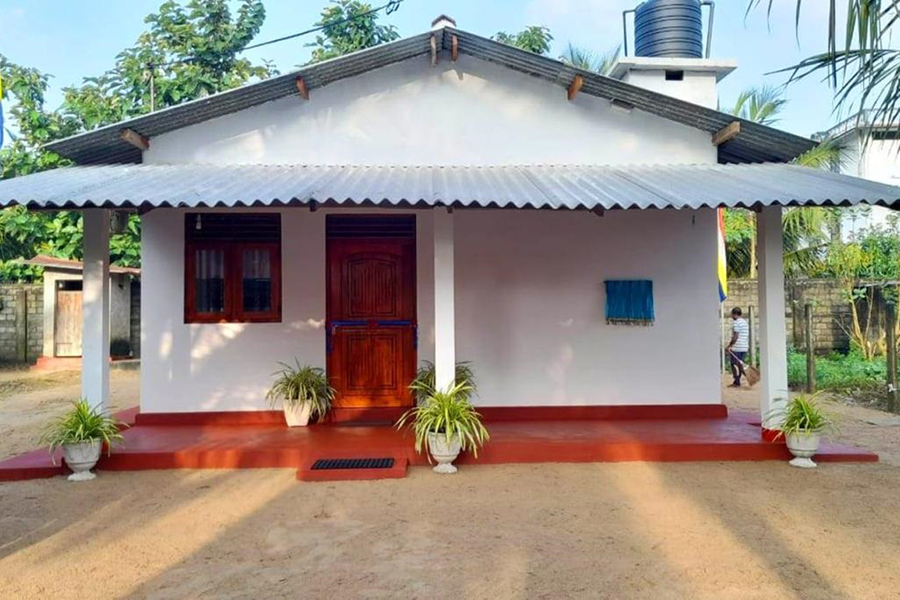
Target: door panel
[(371, 319), (67, 331)]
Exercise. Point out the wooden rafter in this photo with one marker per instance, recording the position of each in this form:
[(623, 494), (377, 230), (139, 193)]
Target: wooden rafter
[(575, 86), (135, 139), (727, 133), (454, 48), (302, 89)]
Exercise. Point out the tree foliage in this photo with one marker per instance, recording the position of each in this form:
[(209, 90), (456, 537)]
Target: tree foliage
[(807, 231), (191, 49), (588, 60), (864, 70), (759, 104), (535, 38), (350, 25)]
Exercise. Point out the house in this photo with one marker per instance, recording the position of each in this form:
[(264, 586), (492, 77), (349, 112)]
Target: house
[(62, 291), (446, 198), (870, 147)]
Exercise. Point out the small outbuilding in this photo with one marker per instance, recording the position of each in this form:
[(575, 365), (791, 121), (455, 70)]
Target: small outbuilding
[(63, 292)]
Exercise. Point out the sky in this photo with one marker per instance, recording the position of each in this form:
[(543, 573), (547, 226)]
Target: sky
[(72, 40)]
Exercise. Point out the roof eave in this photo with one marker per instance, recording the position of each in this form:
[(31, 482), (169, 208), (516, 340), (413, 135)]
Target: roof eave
[(756, 143)]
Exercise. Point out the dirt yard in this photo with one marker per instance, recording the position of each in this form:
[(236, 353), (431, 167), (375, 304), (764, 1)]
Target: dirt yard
[(632, 530), (30, 399)]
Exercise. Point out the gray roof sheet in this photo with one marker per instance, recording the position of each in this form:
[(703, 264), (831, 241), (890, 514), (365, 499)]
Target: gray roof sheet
[(756, 143), (524, 186)]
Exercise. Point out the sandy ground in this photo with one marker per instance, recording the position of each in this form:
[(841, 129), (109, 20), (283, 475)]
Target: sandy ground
[(29, 400), (628, 530)]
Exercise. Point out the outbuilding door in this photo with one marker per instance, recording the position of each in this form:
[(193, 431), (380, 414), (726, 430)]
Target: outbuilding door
[(67, 321), (371, 309)]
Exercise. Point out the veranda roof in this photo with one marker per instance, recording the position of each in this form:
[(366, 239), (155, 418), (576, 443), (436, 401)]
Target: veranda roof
[(523, 186)]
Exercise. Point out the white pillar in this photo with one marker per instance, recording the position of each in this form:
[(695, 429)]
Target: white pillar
[(772, 330), (95, 309), (444, 316)]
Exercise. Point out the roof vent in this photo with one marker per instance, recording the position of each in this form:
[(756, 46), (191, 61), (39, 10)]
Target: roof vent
[(670, 28), (442, 21)]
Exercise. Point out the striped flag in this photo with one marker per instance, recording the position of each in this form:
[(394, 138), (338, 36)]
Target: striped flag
[(723, 261)]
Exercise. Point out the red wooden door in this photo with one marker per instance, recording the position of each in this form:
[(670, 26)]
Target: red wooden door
[(371, 320)]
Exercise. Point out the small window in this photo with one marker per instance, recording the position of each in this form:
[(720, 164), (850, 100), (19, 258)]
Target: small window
[(885, 134), (674, 75), (69, 285), (232, 268), (629, 302)]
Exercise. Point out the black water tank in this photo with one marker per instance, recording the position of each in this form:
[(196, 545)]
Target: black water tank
[(669, 28)]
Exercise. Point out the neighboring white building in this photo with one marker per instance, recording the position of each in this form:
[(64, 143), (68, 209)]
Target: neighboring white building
[(872, 152), (444, 197)]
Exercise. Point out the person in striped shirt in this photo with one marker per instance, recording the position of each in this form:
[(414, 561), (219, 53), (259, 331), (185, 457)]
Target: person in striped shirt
[(739, 345)]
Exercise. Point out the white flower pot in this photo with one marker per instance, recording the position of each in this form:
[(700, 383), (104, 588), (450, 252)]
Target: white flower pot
[(444, 453), (803, 446), (297, 414), (81, 458)]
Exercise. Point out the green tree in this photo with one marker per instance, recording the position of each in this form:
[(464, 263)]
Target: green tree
[(864, 70), (805, 229), (759, 104), (27, 88), (191, 49), (535, 38), (588, 60), (350, 25)]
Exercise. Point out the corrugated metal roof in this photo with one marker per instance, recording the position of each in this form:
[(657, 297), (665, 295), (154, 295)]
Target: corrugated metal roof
[(756, 143), (536, 186)]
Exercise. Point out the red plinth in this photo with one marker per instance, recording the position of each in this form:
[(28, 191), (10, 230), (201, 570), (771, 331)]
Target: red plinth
[(264, 441)]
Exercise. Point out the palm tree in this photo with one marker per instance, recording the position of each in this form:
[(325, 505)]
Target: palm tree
[(805, 229), (864, 71), (759, 104), (588, 60)]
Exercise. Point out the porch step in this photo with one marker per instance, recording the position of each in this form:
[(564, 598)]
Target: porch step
[(351, 469)]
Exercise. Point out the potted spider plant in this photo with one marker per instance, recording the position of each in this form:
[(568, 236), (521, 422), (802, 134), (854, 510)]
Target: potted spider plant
[(81, 433), (445, 423), (303, 393), (802, 424), (423, 385)]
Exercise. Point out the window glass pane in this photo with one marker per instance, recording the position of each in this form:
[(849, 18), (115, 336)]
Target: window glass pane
[(257, 280), (210, 280)]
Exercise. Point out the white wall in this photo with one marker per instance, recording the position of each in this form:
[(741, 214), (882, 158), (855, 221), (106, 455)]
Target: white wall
[(530, 306), (464, 113), (529, 303), (697, 87), (529, 311), (224, 367)]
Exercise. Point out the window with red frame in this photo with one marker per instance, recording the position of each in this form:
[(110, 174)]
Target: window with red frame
[(232, 268)]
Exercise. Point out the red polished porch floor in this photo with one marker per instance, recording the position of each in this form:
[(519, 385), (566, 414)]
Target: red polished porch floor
[(735, 438)]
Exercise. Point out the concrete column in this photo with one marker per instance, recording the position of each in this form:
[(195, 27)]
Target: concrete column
[(772, 329), (95, 309), (444, 311)]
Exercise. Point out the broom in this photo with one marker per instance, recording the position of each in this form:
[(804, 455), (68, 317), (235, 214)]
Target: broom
[(751, 373)]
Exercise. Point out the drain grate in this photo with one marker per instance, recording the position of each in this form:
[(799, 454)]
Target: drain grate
[(352, 463)]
